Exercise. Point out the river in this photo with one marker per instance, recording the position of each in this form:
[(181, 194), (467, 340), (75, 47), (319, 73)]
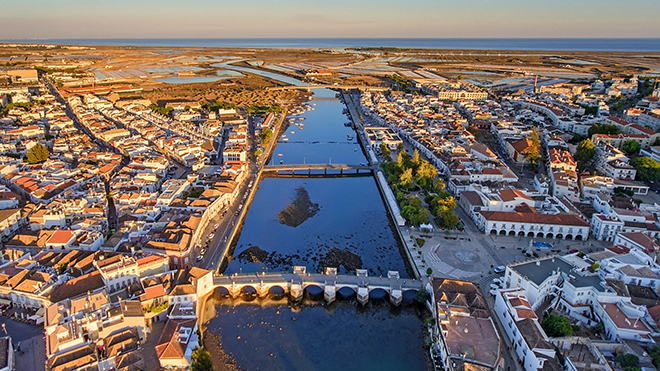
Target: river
[(317, 222)]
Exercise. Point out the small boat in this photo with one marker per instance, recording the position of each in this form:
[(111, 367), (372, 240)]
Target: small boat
[(355, 150), (293, 132), (347, 124), (349, 137), (279, 154), (281, 161), (285, 139)]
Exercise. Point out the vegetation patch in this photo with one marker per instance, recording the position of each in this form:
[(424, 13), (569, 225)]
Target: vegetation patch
[(298, 211)]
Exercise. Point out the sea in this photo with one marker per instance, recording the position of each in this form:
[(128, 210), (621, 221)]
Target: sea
[(514, 44)]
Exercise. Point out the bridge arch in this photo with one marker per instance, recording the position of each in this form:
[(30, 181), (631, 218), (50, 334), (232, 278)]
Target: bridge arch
[(378, 293), (346, 291)]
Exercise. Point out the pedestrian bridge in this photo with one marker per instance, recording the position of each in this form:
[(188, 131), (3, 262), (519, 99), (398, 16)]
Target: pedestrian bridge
[(296, 282), (306, 170)]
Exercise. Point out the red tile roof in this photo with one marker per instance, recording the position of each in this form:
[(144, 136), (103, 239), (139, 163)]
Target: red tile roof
[(61, 237)]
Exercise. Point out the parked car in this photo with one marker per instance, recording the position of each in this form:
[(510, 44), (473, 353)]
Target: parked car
[(497, 281), (494, 286), (200, 257), (499, 269)]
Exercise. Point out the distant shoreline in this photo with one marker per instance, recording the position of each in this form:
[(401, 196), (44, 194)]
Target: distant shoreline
[(486, 44)]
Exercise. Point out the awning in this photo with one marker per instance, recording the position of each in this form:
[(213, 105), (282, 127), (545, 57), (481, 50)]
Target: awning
[(5, 301)]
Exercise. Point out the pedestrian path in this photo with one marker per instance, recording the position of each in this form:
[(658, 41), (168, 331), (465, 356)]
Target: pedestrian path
[(443, 268)]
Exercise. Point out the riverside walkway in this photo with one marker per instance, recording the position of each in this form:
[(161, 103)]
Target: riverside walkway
[(295, 283)]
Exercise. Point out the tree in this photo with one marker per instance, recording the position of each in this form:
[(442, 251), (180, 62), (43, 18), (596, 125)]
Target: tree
[(429, 271), (38, 153), (403, 160), (647, 168), (385, 150), (201, 360), (438, 185), (557, 326), (473, 129), (449, 220), (603, 129), (533, 152), (586, 151), (631, 147), (627, 360), (406, 179), (425, 174), (416, 159)]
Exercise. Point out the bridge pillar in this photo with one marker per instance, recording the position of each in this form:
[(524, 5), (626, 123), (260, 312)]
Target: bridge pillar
[(262, 290), (234, 290), (363, 295), (396, 297), (296, 291), (330, 292)]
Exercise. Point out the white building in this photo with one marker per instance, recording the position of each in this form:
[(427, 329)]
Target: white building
[(531, 345), (533, 224)]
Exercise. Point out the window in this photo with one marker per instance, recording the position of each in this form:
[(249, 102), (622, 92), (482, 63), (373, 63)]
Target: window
[(176, 260)]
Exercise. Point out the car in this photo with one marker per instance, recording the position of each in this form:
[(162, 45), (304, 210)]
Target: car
[(499, 269), (216, 226), (573, 251), (200, 257), (493, 292), (203, 251), (212, 235), (494, 286), (497, 281)]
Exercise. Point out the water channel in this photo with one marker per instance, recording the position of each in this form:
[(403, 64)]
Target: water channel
[(317, 222)]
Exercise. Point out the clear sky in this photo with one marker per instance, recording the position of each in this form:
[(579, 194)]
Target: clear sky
[(328, 18)]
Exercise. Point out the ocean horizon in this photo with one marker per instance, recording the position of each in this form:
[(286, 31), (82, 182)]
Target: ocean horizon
[(504, 44)]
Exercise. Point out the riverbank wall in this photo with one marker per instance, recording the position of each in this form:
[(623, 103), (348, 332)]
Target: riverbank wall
[(383, 188)]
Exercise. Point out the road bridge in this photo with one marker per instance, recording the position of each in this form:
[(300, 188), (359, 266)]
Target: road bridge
[(306, 170), (296, 282), (328, 86)]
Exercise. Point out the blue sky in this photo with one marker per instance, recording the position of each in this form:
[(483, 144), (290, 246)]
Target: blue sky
[(329, 18)]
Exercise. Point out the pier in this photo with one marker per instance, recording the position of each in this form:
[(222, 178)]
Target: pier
[(296, 282)]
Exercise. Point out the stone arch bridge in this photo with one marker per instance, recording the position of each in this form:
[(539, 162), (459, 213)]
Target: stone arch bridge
[(294, 283)]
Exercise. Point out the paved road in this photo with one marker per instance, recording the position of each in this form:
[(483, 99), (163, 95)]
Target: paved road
[(32, 356)]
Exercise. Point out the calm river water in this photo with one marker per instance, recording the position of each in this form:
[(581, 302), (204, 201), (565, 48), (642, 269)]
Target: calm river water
[(318, 222)]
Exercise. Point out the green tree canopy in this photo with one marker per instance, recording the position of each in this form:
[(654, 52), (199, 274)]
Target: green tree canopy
[(631, 147), (425, 175), (385, 151), (533, 152), (647, 168), (557, 326), (627, 360), (38, 153), (603, 129), (406, 179), (201, 360), (449, 220), (586, 151)]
